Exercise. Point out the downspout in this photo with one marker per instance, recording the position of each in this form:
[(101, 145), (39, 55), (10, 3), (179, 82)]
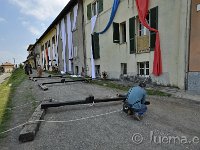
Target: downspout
[(187, 49)]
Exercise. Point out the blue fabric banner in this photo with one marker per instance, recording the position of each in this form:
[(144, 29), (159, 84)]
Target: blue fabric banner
[(112, 16)]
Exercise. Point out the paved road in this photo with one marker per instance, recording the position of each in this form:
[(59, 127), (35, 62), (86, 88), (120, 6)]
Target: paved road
[(167, 124), (4, 76)]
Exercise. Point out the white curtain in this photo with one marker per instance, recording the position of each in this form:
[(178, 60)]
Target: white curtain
[(70, 44), (56, 50), (93, 22), (64, 44), (75, 10)]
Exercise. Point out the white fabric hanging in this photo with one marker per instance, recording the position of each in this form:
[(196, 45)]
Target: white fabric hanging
[(56, 50), (70, 44), (64, 44), (43, 58), (53, 53), (93, 22), (75, 10), (49, 54)]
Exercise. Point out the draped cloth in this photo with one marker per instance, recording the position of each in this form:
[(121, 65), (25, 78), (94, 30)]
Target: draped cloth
[(69, 38), (75, 10), (112, 16), (93, 22), (142, 7), (64, 44), (56, 50), (47, 58)]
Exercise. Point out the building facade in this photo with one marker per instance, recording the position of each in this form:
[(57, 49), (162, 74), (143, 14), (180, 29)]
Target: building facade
[(127, 47), (94, 37), (7, 67)]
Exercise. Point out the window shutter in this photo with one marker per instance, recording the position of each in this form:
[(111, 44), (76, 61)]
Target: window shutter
[(89, 11), (95, 46), (153, 24), (100, 9), (132, 35), (115, 32)]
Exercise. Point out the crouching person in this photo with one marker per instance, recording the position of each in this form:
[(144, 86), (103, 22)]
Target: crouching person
[(135, 101)]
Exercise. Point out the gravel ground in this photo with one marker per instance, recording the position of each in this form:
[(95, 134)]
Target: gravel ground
[(89, 127)]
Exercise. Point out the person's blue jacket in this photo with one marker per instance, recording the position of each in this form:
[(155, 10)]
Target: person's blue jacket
[(136, 97)]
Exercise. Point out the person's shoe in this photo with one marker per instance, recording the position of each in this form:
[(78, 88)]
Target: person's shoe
[(137, 117), (129, 112)]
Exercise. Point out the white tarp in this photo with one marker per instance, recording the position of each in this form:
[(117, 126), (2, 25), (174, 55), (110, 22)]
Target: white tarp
[(70, 44), (93, 22), (75, 10), (64, 44)]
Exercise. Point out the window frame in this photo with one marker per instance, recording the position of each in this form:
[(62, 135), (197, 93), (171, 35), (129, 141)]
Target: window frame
[(124, 70), (146, 68)]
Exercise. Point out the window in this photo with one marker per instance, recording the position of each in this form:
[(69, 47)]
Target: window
[(76, 70), (94, 8), (119, 32), (97, 71), (95, 46), (132, 35), (143, 68), (123, 68), (153, 24), (53, 40), (142, 30), (123, 32)]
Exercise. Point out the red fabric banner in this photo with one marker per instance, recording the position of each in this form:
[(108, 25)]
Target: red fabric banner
[(142, 7)]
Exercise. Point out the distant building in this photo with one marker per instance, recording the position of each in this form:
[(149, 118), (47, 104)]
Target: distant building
[(31, 56), (7, 67)]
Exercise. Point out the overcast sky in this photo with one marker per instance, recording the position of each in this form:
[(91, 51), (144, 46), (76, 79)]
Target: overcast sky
[(22, 22)]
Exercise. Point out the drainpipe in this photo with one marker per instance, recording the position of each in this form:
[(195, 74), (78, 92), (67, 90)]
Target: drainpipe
[(187, 48)]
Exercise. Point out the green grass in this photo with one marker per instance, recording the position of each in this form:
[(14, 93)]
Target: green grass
[(109, 84), (7, 90)]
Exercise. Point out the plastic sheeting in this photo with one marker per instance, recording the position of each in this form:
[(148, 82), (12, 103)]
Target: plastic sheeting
[(112, 16)]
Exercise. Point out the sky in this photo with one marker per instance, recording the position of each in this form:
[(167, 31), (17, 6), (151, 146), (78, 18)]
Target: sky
[(22, 22)]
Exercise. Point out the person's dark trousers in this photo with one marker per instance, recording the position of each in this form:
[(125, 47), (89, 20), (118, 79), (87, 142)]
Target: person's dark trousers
[(142, 110)]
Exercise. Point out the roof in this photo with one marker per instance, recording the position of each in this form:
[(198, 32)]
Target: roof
[(65, 10), (7, 64), (30, 47)]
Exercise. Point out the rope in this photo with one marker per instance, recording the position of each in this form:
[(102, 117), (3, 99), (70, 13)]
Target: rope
[(67, 121)]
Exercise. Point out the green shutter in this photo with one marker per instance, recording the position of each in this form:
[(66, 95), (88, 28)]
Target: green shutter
[(89, 11), (95, 46), (100, 9), (153, 24), (115, 32), (132, 35)]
